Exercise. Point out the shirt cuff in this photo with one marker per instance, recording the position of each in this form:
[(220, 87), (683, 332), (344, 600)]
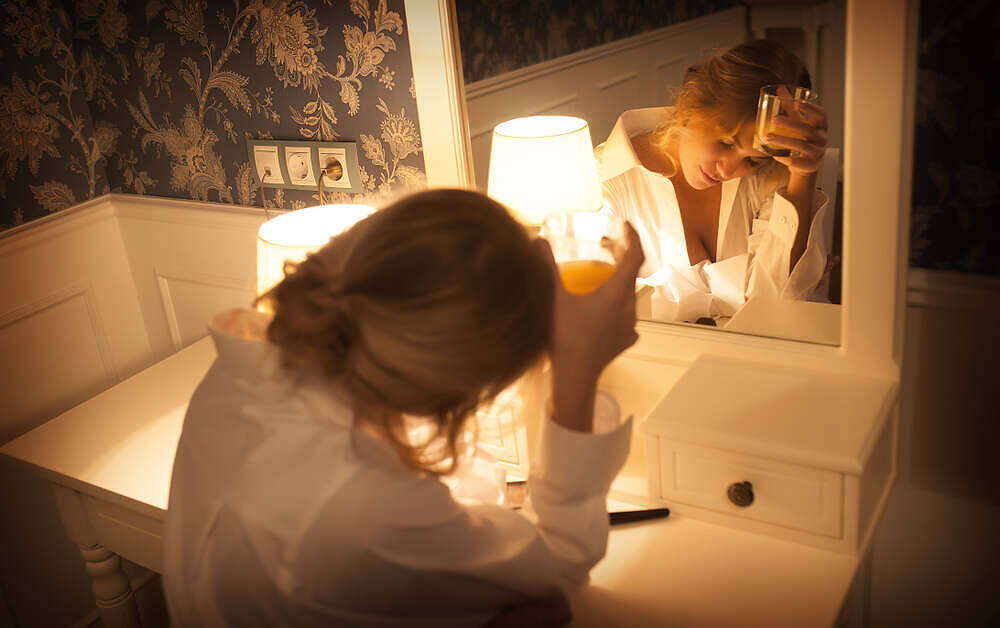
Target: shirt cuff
[(577, 461), (784, 220)]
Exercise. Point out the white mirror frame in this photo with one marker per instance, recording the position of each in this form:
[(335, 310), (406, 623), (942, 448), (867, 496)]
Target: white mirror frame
[(878, 131)]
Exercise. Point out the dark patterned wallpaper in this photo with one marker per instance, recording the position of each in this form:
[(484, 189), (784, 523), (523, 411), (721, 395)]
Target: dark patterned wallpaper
[(956, 178), (504, 35), (159, 97)]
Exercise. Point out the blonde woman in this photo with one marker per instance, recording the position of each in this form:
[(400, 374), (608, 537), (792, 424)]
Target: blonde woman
[(719, 220), (300, 498)]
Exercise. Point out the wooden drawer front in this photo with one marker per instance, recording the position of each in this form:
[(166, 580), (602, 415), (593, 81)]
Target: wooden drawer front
[(784, 494)]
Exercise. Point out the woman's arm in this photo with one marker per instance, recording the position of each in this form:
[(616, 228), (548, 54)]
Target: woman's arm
[(810, 125), (800, 192), (588, 332)]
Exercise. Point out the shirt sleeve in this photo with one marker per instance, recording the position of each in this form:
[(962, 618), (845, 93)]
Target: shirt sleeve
[(413, 532), (774, 223)]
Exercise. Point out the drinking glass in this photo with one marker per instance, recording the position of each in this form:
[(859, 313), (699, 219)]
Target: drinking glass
[(775, 100), (587, 245)]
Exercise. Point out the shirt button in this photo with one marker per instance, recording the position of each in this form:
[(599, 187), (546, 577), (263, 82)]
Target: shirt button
[(783, 220)]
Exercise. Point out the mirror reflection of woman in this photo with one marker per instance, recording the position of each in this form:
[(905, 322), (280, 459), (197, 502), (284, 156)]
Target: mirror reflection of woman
[(721, 221)]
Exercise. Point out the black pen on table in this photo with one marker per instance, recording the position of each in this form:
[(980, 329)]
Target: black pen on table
[(632, 516)]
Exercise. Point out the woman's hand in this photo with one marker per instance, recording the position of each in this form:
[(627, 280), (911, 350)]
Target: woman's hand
[(589, 331), (811, 124)]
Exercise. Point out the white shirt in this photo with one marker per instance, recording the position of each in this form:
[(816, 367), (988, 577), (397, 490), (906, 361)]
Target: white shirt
[(282, 513), (756, 234)]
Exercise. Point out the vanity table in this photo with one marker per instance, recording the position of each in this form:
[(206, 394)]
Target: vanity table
[(109, 461)]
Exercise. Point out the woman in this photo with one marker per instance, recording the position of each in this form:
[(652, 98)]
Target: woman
[(300, 495), (719, 220)]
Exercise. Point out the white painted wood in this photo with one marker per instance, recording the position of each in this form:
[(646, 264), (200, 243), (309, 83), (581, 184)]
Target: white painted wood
[(189, 301), (682, 572), (598, 83), (810, 418), (787, 495), (59, 355), (821, 444), (69, 319), (701, 563), (111, 588), (437, 75), (188, 259), (114, 596), (875, 219), (119, 446)]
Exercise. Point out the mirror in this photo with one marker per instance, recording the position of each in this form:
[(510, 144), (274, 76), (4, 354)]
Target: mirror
[(596, 62)]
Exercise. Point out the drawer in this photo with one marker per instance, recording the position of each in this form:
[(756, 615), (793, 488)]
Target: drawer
[(788, 495)]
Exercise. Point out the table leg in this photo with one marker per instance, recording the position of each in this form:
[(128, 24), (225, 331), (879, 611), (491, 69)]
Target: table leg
[(112, 590)]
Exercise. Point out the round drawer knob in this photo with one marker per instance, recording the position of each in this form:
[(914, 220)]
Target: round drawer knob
[(740, 493)]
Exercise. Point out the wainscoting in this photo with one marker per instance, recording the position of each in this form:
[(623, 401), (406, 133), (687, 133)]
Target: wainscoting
[(90, 296)]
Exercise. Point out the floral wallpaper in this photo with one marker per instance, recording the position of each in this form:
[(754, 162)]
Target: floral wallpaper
[(159, 97), (504, 35), (956, 178)]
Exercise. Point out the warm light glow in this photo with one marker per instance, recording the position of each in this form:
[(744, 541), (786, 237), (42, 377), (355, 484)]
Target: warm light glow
[(292, 236), (542, 165)]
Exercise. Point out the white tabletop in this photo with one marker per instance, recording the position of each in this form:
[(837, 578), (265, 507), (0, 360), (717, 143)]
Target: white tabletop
[(826, 418), (120, 446)]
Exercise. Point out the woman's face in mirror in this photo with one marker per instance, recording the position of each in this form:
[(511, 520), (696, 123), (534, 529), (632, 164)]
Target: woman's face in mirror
[(707, 159)]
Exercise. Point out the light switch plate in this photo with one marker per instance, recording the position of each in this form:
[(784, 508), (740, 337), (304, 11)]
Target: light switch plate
[(296, 164)]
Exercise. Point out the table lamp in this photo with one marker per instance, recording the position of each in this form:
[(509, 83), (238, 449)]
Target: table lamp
[(292, 236), (544, 165)]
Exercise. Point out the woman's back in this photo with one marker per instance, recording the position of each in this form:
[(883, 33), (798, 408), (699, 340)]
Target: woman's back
[(296, 500)]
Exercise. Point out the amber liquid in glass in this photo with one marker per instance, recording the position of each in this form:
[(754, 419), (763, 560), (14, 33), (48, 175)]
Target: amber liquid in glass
[(771, 105), (584, 276)]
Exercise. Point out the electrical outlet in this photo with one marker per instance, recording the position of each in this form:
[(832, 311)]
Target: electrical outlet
[(297, 164), (298, 160), (328, 156), (266, 163)]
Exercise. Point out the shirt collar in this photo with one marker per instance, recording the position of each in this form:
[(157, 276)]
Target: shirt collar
[(240, 337), (616, 154)]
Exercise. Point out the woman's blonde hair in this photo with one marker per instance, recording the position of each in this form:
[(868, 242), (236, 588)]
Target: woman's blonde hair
[(427, 308), (720, 94)]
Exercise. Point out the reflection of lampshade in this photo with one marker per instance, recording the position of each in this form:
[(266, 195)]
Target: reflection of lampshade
[(541, 165), (291, 236)]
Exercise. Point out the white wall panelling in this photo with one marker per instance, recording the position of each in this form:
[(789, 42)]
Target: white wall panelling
[(189, 259), (599, 83), (69, 321), (58, 355), (190, 300), (71, 327)]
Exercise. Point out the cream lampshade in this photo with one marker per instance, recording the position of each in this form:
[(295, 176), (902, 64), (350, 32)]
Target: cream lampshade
[(544, 165), (292, 236)]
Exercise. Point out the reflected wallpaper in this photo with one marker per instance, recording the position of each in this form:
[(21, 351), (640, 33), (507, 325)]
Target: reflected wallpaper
[(956, 179), (504, 35), (159, 97)]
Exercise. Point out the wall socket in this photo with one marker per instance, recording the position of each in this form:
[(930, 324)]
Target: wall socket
[(297, 164)]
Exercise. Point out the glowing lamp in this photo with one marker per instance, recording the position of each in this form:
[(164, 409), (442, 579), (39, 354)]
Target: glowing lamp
[(544, 165), (292, 236)]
